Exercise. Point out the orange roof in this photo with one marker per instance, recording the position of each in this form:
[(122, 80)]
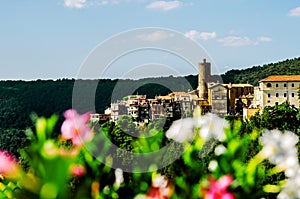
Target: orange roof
[(238, 85), (164, 97), (282, 78), (179, 93)]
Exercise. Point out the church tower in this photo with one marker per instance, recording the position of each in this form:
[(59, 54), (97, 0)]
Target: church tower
[(204, 70)]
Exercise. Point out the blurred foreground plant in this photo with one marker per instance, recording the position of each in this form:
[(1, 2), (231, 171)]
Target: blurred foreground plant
[(215, 161), (54, 166)]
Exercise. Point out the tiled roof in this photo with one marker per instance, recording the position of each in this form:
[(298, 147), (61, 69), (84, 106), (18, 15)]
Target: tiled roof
[(179, 93), (238, 85), (164, 97), (215, 85), (282, 78)]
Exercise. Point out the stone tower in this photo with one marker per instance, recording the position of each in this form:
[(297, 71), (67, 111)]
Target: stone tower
[(204, 70)]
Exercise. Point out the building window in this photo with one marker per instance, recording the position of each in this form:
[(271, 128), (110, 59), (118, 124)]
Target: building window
[(269, 95), (284, 94), (268, 101), (276, 85), (277, 94), (293, 85), (284, 85), (276, 103), (269, 85), (293, 94)]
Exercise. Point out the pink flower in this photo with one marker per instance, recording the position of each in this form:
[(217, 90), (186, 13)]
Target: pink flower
[(8, 165), (75, 127), (218, 189), (77, 170)]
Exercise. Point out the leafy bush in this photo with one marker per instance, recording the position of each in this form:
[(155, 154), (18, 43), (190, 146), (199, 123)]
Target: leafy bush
[(204, 157)]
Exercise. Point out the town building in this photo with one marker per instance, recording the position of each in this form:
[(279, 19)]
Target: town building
[(204, 73), (156, 110), (221, 99), (248, 112), (212, 97), (256, 98), (239, 95), (278, 89), (218, 98), (94, 117), (183, 101), (99, 118), (167, 104), (117, 110)]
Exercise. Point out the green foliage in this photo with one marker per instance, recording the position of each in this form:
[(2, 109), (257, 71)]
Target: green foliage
[(254, 74), (51, 159), (44, 97), (282, 117), (12, 140)]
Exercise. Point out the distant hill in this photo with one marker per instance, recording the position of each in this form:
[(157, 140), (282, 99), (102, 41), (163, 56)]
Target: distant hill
[(254, 74), (18, 99)]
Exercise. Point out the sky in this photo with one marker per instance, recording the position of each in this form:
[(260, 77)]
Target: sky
[(54, 39)]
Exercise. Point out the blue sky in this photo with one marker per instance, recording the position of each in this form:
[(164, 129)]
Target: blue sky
[(50, 39)]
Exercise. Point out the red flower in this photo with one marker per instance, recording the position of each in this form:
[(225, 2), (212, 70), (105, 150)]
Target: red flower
[(75, 127), (160, 188), (218, 189)]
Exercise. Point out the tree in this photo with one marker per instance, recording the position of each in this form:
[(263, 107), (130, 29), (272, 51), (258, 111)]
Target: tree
[(12, 140), (282, 117)]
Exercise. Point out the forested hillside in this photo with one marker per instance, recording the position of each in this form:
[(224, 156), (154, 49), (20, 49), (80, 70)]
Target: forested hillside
[(18, 99), (254, 74)]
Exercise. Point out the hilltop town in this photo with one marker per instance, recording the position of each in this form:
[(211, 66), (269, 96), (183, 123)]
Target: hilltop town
[(216, 97)]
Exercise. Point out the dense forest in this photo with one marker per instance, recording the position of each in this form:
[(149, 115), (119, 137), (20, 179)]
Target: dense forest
[(20, 99), (254, 74)]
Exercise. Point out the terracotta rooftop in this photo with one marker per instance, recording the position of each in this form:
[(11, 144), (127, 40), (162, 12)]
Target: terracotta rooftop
[(164, 97), (179, 93), (238, 85), (282, 78)]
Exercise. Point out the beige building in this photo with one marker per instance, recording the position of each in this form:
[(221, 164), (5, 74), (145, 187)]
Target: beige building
[(117, 110), (249, 112), (278, 89), (217, 96), (237, 92), (184, 100)]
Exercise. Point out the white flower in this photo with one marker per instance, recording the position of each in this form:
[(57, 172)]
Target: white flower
[(212, 166), (220, 149), (160, 186), (280, 148), (292, 171), (291, 189), (159, 181), (119, 177), (212, 126), (182, 130), (141, 196)]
